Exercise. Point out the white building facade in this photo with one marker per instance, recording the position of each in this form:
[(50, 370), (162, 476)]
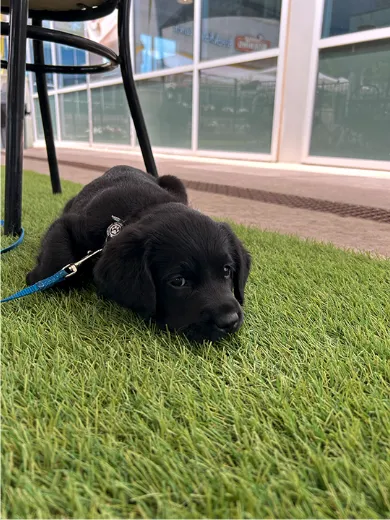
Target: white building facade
[(290, 81)]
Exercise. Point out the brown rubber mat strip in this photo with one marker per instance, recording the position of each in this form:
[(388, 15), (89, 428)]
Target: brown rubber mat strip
[(292, 201)]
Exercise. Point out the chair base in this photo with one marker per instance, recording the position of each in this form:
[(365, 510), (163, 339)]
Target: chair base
[(19, 32), (14, 131)]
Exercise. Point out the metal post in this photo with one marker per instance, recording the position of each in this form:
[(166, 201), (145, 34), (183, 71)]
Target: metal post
[(44, 106), (15, 117), (129, 85)]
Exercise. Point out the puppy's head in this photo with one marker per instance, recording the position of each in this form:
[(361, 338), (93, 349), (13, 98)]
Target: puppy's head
[(180, 268)]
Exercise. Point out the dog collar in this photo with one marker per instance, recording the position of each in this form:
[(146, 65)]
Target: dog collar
[(115, 228)]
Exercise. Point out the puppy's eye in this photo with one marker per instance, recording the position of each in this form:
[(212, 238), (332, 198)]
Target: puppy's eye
[(179, 281), (227, 271)]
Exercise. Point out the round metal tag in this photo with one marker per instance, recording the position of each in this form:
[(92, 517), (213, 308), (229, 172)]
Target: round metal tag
[(114, 229)]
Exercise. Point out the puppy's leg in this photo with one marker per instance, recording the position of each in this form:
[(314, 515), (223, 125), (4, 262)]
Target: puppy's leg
[(56, 251)]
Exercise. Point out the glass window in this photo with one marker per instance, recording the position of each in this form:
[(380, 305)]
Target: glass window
[(347, 16), (74, 116), (234, 27), (167, 106), (237, 106), (110, 115), (69, 55), (38, 118), (103, 31), (352, 104), (163, 34)]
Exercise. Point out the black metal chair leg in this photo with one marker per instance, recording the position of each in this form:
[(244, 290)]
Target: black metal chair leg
[(129, 84), (44, 106), (15, 117)]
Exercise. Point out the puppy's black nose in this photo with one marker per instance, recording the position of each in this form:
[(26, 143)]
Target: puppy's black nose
[(227, 322)]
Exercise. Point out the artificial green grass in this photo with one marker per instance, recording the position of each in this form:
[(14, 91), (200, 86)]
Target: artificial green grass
[(105, 417)]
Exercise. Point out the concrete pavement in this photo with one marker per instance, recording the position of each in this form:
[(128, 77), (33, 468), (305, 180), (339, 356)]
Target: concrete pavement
[(214, 183)]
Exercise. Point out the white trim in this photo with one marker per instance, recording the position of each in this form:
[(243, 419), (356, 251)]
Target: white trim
[(106, 82), (96, 146), (34, 115), (58, 122), (89, 97), (355, 37), (195, 75), (90, 117), (111, 147), (243, 156), (243, 58), (345, 162), (163, 72), (280, 74), (39, 143), (246, 156), (195, 111), (255, 165), (72, 88), (312, 79), (184, 152)]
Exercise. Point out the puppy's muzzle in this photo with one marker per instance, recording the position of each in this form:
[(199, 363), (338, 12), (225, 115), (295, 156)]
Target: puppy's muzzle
[(227, 323)]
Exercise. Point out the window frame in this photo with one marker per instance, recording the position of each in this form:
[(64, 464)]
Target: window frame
[(320, 43)]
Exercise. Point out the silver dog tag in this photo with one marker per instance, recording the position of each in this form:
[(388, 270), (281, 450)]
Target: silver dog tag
[(115, 228)]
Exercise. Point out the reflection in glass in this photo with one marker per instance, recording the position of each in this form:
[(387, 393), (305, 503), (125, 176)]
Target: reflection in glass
[(237, 106), (352, 104), (103, 31), (348, 16), (38, 118), (163, 34), (69, 55), (234, 27), (167, 106), (74, 116), (110, 115)]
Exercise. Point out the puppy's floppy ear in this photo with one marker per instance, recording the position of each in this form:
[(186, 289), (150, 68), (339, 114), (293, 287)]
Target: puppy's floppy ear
[(242, 260), (175, 187), (122, 272)]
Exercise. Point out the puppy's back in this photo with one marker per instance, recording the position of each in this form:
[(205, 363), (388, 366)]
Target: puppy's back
[(119, 176)]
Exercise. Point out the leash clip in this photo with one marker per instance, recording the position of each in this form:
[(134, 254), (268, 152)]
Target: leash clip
[(71, 269)]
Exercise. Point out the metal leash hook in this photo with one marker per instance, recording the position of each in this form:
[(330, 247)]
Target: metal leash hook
[(72, 268), (46, 283), (68, 270)]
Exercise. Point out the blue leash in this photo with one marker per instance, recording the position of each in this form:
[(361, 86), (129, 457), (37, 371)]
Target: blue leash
[(39, 286), (65, 272), (15, 244)]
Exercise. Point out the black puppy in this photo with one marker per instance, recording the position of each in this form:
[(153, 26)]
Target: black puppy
[(169, 263)]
